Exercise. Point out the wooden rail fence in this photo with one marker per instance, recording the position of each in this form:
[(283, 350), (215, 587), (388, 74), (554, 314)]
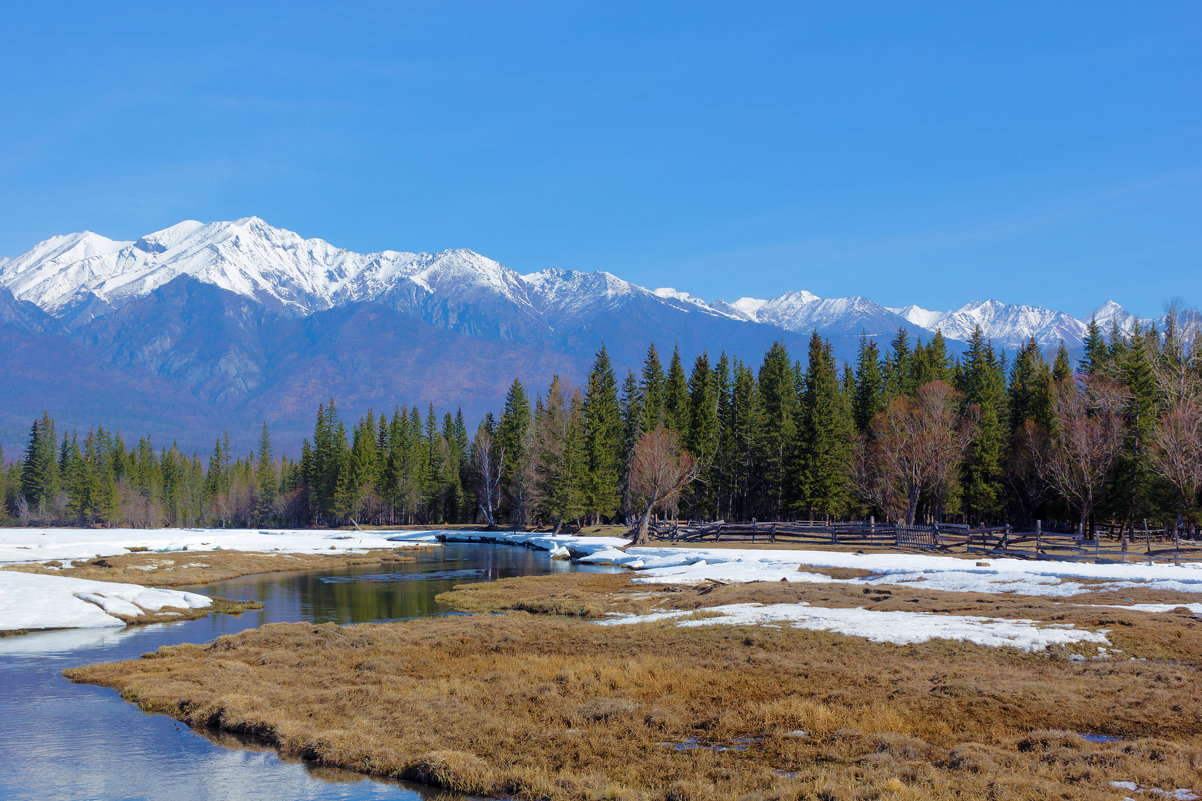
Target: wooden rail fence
[(1001, 541)]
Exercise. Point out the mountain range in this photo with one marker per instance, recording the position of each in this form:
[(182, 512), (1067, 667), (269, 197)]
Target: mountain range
[(200, 328)]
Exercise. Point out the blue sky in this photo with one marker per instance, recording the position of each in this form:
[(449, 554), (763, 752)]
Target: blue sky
[(1047, 153)]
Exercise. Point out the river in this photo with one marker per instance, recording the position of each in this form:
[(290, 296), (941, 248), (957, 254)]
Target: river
[(66, 741)]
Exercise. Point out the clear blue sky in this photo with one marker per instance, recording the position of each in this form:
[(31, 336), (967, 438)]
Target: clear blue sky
[(912, 152)]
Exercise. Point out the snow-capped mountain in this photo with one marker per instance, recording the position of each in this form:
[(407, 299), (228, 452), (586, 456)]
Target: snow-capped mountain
[(247, 257), (80, 276), (229, 323), (1009, 325)]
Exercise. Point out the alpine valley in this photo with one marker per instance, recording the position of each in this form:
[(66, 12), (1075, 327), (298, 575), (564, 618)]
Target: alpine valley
[(202, 328)]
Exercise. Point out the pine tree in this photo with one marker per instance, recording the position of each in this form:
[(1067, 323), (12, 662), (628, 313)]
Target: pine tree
[(266, 482)]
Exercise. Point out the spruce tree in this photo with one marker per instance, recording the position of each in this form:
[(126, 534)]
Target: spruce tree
[(39, 469), (1133, 487), (1030, 389), (704, 435), (266, 482), (1062, 368), (744, 427), (983, 385), (777, 430), (651, 390), (512, 436), (825, 436), (1096, 355), (870, 385), (676, 398), (632, 428), (898, 373), (602, 416)]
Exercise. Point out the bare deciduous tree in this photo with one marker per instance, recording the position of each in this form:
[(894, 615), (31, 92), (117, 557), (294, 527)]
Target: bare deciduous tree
[(1176, 452), (488, 459), (658, 473), (1179, 365), (1089, 430), (1026, 468), (919, 444)]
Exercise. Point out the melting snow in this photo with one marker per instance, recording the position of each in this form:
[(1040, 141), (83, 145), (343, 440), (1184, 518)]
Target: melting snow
[(902, 628), (1054, 579), (33, 601)]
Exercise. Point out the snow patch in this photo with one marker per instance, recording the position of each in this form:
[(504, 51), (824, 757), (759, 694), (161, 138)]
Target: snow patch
[(901, 628), (35, 601)]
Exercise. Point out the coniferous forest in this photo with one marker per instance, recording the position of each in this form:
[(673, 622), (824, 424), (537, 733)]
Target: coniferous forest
[(906, 433)]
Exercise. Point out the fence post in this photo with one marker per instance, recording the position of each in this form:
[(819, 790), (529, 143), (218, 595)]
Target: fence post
[(1176, 548), (1038, 537)]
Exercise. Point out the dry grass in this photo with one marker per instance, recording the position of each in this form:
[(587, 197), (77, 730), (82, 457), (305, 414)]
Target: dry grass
[(551, 706), (188, 568)]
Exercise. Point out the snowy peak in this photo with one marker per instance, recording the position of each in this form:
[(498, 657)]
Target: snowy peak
[(78, 276), (1111, 314)]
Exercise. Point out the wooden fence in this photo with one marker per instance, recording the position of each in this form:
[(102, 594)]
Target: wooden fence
[(1000, 541)]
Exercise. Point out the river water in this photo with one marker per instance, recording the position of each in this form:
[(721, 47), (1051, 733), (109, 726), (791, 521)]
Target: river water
[(66, 741)]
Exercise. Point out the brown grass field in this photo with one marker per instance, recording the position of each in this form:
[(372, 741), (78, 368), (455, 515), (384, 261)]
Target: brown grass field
[(539, 703), (189, 568)]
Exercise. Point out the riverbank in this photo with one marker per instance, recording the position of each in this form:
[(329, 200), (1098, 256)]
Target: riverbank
[(677, 699)]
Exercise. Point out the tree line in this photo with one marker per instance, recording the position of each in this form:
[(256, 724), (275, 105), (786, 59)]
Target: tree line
[(906, 433)]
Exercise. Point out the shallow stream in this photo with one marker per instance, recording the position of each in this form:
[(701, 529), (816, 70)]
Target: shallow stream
[(66, 741)]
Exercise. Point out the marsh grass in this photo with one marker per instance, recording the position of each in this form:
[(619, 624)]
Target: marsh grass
[(188, 568), (545, 704)]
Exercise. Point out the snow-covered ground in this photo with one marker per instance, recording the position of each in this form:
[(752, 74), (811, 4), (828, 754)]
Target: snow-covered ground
[(21, 598), (902, 628), (32, 601), (1054, 579), (65, 544)]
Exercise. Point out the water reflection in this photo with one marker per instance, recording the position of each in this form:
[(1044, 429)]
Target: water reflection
[(60, 740)]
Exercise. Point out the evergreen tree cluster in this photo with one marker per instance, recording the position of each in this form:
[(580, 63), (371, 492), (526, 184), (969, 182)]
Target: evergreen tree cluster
[(909, 434)]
